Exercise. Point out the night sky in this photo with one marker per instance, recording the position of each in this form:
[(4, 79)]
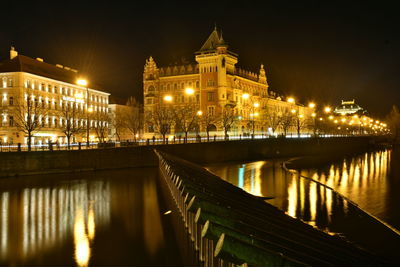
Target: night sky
[(324, 52)]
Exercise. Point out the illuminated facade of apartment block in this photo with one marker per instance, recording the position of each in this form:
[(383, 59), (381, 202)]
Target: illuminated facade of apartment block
[(53, 89)]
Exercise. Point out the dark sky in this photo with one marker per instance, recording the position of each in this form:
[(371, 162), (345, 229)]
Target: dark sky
[(325, 52)]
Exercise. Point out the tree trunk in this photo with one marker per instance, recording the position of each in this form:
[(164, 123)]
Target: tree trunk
[(208, 136), (69, 141), (29, 141)]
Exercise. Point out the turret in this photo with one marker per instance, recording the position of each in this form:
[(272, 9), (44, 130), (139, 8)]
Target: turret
[(150, 69), (262, 78), (13, 53)]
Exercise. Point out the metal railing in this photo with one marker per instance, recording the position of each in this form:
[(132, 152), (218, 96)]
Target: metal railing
[(18, 147)]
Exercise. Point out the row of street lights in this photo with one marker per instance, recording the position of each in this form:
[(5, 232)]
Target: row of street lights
[(313, 106)]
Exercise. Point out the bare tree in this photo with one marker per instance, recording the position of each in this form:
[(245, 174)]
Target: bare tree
[(300, 122), (100, 124), (208, 119), (161, 118), (72, 124), (119, 122), (28, 115), (185, 118), (228, 118), (271, 119), (286, 121), (134, 119)]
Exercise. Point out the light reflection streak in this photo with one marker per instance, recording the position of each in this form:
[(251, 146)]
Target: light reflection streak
[(313, 201), (47, 216), (25, 233), (82, 248), (363, 179), (4, 222), (292, 197)]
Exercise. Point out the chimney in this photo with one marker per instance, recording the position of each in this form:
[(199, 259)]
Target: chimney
[(13, 52)]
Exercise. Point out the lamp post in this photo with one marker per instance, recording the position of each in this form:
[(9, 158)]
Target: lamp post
[(312, 106), (253, 114), (84, 83)]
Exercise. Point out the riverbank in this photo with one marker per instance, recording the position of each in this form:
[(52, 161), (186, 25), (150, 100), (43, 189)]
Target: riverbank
[(28, 163)]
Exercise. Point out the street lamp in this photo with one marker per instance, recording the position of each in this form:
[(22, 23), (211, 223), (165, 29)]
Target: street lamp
[(328, 109), (253, 114), (189, 91), (168, 98), (84, 83)]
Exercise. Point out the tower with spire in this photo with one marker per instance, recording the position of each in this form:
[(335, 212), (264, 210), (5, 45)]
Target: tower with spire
[(215, 62), (211, 83)]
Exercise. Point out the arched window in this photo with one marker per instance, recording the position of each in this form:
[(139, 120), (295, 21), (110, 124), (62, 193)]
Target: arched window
[(150, 89)]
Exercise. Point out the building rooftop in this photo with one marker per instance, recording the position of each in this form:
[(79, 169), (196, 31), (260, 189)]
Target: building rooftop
[(349, 108), (21, 63)]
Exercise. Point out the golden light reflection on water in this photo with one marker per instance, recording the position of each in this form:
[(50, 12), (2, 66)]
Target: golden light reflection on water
[(362, 179), (34, 220), (292, 198), (82, 247)]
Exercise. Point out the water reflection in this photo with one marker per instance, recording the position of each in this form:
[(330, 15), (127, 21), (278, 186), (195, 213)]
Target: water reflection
[(38, 218), (363, 179), (84, 219)]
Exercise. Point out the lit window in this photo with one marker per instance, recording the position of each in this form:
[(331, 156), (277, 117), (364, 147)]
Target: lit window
[(210, 96), (11, 121), (210, 83), (211, 110)]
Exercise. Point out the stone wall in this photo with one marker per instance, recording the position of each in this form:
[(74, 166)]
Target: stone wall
[(22, 163)]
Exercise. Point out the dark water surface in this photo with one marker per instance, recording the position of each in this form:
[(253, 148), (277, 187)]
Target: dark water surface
[(108, 218), (371, 180)]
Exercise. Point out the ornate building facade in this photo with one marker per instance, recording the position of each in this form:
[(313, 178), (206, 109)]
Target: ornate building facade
[(211, 85)]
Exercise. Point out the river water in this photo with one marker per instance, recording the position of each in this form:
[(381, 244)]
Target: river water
[(116, 218), (107, 218), (371, 180)]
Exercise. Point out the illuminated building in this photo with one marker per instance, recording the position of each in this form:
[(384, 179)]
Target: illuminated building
[(53, 88), (349, 108), (211, 84)]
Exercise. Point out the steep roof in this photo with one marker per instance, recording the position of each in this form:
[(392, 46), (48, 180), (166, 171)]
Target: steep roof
[(214, 40), (23, 63)]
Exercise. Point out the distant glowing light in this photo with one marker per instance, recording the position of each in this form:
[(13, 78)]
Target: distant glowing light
[(189, 91), (328, 109), (246, 96), (168, 98), (311, 105), (290, 100), (82, 82)]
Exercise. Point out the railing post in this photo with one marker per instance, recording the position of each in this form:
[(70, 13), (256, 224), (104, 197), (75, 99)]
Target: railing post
[(19, 147)]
